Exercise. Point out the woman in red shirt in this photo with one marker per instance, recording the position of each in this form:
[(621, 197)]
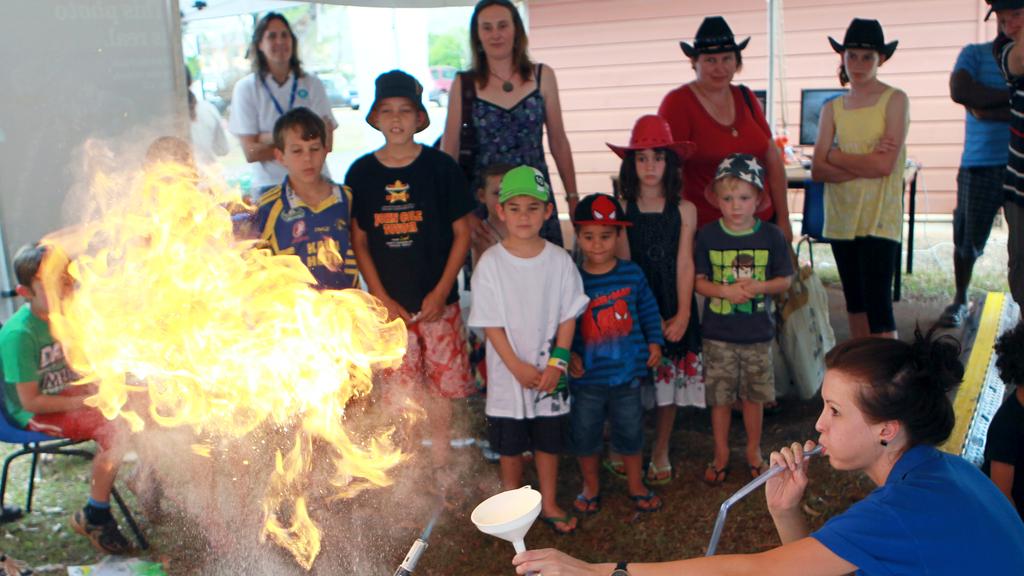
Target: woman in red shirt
[(722, 119)]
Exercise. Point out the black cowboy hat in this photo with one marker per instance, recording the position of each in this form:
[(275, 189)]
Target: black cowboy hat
[(866, 34), (713, 37), (1002, 5)]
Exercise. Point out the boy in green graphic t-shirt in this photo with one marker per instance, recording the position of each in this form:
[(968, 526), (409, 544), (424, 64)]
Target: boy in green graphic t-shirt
[(38, 397)]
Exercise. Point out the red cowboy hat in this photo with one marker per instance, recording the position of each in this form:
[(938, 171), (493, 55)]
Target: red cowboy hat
[(653, 131)]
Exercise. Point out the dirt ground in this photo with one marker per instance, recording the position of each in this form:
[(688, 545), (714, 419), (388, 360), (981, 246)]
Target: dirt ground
[(371, 533)]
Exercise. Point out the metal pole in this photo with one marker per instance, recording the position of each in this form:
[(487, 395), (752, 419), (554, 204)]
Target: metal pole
[(770, 91), (6, 284)]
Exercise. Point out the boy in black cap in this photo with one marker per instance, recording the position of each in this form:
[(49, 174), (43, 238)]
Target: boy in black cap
[(411, 236)]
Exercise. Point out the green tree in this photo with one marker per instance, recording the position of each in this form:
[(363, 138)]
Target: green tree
[(450, 48)]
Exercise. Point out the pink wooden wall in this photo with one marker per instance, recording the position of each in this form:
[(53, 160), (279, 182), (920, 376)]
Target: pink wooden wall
[(615, 59)]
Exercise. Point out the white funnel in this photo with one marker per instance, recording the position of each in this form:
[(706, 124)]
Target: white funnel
[(508, 515)]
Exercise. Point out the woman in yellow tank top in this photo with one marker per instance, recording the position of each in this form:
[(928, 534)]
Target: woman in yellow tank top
[(860, 155)]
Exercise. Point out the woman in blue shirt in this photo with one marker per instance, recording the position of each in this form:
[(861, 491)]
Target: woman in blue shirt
[(886, 408)]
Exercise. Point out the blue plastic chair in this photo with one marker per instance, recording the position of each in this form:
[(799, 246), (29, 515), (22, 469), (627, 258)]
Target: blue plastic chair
[(35, 444)]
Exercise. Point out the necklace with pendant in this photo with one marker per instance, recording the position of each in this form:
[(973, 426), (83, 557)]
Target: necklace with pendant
[(506, 84), (718, 109)]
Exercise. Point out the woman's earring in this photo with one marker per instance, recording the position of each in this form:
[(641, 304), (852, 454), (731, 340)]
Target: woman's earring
[(884, 443)]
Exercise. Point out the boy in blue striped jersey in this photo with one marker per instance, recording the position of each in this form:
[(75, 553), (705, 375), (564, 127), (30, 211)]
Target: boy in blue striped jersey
[(308, 215), (618, 342)]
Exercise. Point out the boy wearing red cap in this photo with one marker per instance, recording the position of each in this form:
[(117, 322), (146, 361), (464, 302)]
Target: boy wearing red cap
[(617, 345)]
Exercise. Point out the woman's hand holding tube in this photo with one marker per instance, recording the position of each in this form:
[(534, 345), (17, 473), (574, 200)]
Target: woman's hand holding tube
[(785, 490)]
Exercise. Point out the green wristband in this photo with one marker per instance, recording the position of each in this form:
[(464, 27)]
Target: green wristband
[(561, 354)]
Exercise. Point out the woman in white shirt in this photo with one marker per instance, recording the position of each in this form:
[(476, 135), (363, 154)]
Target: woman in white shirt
[(276, 85)]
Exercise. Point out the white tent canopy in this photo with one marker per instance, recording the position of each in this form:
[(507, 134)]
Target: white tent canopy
[(222, 8)]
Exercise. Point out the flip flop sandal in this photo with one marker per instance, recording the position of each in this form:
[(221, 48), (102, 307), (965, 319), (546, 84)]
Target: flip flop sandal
[(717, 477), (657, 476), (617, 469), (651, 502), (554, 521), (757, 470), (587, 506)]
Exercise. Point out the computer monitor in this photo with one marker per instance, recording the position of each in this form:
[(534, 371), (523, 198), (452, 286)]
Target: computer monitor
[(811, 102)]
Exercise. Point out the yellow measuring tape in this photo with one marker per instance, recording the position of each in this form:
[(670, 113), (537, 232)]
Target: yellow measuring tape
[(977, 368)]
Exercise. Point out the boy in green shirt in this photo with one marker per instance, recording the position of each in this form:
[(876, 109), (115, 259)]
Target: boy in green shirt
[(37, 397)]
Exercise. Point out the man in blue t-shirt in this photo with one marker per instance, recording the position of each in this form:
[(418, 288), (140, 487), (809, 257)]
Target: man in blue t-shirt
[(978, 85)]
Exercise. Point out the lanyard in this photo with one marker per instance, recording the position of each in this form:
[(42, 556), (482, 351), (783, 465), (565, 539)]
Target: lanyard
[(291, 101)]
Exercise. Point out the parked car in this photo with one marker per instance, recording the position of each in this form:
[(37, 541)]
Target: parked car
[(443, 76), (340, 93)]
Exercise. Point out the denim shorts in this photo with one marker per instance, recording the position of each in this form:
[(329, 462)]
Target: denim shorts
[(621, 406)]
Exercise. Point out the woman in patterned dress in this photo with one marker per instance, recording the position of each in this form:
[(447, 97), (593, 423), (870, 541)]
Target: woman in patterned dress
[(513, 100)]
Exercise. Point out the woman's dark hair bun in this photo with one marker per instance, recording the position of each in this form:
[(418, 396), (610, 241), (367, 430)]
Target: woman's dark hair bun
[(937, 360), (908, 382)]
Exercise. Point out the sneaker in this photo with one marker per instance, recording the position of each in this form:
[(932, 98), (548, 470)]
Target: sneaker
[(953, 316), (10, 513), (105, 538)]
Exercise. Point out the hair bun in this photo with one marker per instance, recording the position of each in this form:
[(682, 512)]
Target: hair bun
[(937, 360)]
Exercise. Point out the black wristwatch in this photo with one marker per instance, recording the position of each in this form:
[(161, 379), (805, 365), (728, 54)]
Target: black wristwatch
[(620, 569)]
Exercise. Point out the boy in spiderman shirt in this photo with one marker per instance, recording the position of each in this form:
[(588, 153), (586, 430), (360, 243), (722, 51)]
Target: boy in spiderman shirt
[(618, 342)]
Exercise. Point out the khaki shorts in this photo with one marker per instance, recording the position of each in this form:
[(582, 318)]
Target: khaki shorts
[(743, 370)]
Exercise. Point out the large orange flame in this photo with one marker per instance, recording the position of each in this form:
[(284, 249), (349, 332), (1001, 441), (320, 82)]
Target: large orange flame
[(221, 337)]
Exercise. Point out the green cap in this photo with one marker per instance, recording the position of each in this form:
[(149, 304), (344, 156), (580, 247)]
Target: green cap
[(524, 181)]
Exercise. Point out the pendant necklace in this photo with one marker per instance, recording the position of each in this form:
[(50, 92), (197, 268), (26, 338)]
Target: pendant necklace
[(506, 85), (732, 127)]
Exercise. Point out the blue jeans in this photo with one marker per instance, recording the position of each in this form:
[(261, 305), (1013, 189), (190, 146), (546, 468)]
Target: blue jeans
[(621, 406)]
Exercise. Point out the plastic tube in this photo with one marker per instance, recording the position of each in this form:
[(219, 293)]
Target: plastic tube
[(754, 484)]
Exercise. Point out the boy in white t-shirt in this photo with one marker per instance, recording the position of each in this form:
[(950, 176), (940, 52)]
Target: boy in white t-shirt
[(527, 294)]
